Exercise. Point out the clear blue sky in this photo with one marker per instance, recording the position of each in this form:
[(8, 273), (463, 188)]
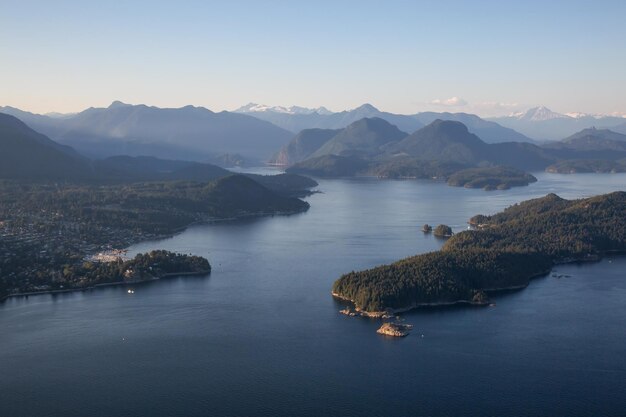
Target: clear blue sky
[(401, 56)]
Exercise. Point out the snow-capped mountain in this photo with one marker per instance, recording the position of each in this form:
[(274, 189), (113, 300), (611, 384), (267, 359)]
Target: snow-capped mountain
[(578, 115), (542, 113), (296, 119), (545, 124), (537, 114), (257, 108)]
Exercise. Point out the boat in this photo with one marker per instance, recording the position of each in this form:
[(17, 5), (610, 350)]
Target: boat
[(131, 291)]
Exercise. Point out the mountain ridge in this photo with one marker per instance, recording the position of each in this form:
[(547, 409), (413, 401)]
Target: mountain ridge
[(189, 132)]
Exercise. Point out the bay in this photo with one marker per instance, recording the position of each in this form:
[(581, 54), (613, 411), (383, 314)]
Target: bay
[(261, 336)]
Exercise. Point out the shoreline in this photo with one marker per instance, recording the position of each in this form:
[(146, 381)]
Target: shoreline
[(393, 311), (175, 232), (109, 284)]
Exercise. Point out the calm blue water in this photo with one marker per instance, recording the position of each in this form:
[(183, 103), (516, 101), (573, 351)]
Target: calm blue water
[(262, 335)]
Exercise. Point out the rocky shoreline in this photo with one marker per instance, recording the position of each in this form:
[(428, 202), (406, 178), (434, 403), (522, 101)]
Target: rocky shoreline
[(109, 284), (390, 312), (395, 329)]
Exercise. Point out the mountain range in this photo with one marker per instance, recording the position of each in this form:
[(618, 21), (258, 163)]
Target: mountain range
[(489, 131), (536, 124), (253, 133), (444, 147), (441, 140), (28, 155), (191, 133), (371, 146), (543, 124), (200, 135), (451, 141)]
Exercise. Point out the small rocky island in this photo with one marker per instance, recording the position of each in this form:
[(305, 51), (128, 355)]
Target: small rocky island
[(443, 231), (395, 329)]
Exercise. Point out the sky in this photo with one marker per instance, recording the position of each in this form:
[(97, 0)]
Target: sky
[(486, 57)]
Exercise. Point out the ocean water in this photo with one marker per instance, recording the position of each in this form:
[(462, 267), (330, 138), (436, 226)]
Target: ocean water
[(262, 336)]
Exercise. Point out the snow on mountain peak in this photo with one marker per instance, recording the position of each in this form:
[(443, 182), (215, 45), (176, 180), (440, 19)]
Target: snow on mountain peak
[(256, 108), (539, 114)]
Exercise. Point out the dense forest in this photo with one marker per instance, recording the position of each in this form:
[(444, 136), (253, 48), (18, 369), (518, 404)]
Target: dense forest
[(490, 178), (505, 250), (142, 267)]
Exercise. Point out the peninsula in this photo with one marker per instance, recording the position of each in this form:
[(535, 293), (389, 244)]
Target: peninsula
[(504, 251), (49, 232)]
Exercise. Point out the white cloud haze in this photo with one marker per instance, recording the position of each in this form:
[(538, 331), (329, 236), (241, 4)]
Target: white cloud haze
[(449, 102)]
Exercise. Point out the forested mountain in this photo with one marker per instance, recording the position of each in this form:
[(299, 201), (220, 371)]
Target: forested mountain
[(444, 147), (26, 154), (444, 140), (592, 139), (365, 138), (435, 151), (303, 146), (488, 131)]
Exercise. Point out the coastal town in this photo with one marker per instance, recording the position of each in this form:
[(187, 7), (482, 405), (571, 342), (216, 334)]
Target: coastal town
[(57, 236)]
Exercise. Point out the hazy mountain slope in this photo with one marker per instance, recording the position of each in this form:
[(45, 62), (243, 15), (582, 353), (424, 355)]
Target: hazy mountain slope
[(525, 156), (47, 125), (450, 141), (543, 124), (238, 193), (442, 140), (489, 132), (365, 137), (27, 154), (593, 140), (302, 146), (184, 133), (296, 122)]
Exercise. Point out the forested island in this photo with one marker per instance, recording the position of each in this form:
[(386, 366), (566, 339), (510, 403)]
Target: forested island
[(581, 166), (490, 178), (504, 251)]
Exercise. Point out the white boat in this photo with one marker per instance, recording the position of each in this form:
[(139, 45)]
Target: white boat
[(131, 291)]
